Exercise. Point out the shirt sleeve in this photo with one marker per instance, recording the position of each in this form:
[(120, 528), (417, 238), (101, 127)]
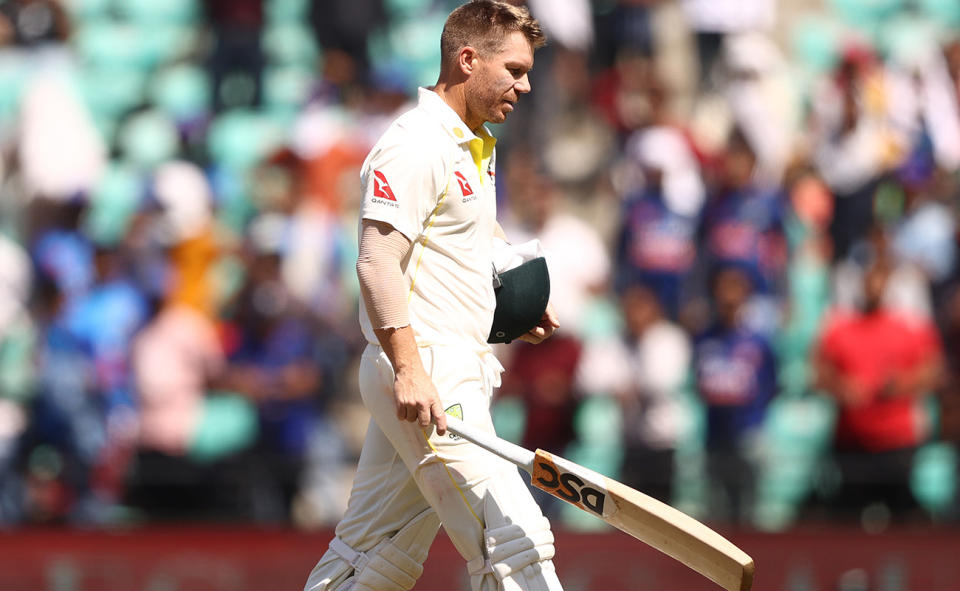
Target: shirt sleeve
[(401, 186)]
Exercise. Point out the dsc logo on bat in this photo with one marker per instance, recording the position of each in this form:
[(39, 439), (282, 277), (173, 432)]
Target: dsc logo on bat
[(567, 486)]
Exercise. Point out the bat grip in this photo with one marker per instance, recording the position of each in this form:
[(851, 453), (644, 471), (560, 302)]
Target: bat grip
[(490, 442)]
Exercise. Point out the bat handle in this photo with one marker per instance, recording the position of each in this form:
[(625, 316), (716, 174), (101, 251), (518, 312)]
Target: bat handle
[(490, 442)]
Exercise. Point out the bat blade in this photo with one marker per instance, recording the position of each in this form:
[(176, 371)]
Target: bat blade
[(655, 523)]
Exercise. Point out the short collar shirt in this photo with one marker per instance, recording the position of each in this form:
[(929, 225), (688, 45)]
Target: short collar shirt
[(432, 179)]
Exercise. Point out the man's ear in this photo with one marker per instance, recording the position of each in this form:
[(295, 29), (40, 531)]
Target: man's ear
[(467, 60)]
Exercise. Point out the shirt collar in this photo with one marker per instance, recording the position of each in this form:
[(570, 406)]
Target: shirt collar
[(437, 107)]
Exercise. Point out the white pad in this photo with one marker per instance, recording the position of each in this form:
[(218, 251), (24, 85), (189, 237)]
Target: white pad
[(518, 553), (394, 564)]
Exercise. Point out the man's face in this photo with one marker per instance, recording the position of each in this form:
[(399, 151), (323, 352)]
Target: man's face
[(498, 80)]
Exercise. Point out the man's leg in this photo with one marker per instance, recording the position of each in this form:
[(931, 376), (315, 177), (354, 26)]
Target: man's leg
[(386, 531), (484, 505)]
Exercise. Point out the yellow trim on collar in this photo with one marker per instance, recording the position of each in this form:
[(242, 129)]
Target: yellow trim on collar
[(481, 149)]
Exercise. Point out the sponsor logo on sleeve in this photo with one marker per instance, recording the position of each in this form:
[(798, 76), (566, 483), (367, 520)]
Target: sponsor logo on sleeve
[(382, 193)]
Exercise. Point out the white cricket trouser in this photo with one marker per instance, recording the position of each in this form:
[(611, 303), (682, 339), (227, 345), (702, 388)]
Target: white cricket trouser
[(404, 470)]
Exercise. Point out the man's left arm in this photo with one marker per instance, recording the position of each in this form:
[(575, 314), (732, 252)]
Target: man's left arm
[(549, 323)]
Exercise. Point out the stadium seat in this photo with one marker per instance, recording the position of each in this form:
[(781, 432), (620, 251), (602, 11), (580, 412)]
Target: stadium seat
[(859, 11), (13, 77), (108, 43), (110, 92), (113, 203), (509, 418), (934, 477), (286, 11), (599, 421), (84, 10), (815, 43), (797, 432), (228, 424), (407, 9), (154, 12), (286, 89), (182, 91), (148, 139), (945, 12), (164, 43), (290, 44), (241, 138)]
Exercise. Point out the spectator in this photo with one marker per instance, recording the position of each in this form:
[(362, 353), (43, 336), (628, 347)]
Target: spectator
[(274, 363), (908, 289), (735, 375), (236, 61), (743, 226), (879, 366), (712, 20), (657, 353), (657, 243), (67, 433), (852, 143)]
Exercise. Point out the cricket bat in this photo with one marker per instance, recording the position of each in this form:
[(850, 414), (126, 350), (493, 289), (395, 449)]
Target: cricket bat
[(656, 524)]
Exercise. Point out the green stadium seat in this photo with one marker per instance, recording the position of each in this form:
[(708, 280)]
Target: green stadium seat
[(815, 43), (241, 138), (148, 139), (407, 9), (85, 10), (164, 43), (286, 11), (290, 44), (18, 368), (858, 11), (286, 87), (599, 421), (934, 477), (113, 202), (509, 418), (157, 12), (13, 78), (111, 44), (945, 12), (228, 424), (112, 91), (797, 433), (601, 317), (182, 91)]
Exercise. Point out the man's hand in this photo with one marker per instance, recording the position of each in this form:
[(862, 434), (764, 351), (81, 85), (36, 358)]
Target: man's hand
[(415, 395), (417, 400), (547, 326)]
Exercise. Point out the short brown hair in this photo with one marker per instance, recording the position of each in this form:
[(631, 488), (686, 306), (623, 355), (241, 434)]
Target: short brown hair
[(483, 25)]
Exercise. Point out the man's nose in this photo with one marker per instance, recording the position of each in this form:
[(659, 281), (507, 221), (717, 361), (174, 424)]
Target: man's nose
[(523, 84)]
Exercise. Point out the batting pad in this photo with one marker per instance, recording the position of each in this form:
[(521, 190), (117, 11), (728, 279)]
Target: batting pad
[(394, 564), (518, 549)]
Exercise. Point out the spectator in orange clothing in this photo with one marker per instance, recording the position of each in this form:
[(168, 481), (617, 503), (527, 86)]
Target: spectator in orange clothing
[(880, 366)]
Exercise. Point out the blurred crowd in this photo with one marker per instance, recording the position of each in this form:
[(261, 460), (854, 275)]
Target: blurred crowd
[(749, 210)]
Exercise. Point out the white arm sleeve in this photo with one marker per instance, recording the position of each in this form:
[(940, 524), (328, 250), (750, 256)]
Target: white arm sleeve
[(382, 248)]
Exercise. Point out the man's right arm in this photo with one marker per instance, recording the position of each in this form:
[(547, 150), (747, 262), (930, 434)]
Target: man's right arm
[(382, 248)]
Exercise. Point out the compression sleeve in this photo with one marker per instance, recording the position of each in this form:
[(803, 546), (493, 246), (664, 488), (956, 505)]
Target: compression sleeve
[(381, 280)]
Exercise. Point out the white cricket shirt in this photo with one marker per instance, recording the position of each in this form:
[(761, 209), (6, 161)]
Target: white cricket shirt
[(432, 179)]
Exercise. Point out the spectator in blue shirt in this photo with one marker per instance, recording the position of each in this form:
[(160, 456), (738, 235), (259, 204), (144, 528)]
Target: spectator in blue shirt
[(735, 372)]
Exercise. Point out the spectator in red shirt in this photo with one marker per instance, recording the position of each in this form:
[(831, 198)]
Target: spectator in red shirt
[(879, 365)]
